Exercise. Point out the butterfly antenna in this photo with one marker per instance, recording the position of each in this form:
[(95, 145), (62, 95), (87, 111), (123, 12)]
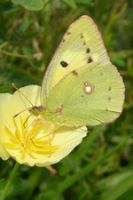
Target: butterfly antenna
[(15, 87)]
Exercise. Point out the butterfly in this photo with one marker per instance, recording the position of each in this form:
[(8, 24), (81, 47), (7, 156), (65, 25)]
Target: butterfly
[(81, 87)]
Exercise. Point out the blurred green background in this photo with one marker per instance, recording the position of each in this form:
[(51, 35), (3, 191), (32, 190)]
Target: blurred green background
[(101, 168)]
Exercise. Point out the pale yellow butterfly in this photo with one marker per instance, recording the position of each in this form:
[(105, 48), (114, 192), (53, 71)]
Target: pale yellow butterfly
[(81, 85)]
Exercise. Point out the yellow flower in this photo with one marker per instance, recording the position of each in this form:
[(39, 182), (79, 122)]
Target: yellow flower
[(28, 138)]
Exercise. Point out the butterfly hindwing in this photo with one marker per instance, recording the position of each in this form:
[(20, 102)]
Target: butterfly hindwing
[(90, 95)]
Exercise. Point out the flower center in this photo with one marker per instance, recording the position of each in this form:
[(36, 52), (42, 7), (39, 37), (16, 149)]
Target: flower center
[(31, 135)]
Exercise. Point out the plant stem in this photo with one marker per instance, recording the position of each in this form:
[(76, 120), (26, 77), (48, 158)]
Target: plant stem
[(5, 192), (7, 53)]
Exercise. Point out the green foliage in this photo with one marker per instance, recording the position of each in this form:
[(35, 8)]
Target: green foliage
[(101, 168), (30, 4)]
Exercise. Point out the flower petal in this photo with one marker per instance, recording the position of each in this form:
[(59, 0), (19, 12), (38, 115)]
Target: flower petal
[(30, 139), (4, 107), (67, 141)]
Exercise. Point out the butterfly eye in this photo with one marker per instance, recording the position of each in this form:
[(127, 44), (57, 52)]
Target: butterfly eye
[(64, 63)]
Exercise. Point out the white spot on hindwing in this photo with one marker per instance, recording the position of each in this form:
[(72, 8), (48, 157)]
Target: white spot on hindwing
[(88, 88), (95, 57)]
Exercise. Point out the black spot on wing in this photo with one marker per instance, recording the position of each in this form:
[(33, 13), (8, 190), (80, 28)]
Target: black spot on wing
[(84, 42), (88, 50), (64, 63), (109, 88), (89, 60), (81, 36), (68, 33), (101, 73), (109, 98), (83, 39), (59, 109), (74, 72)]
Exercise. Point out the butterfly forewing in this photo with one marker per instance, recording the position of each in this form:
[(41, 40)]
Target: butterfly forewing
[(81, 45)]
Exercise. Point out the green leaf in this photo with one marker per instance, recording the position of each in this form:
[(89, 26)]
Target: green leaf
[(122, 184), (5, 6), (127, 195), (30, 4), (83, 2), (70, 3)]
